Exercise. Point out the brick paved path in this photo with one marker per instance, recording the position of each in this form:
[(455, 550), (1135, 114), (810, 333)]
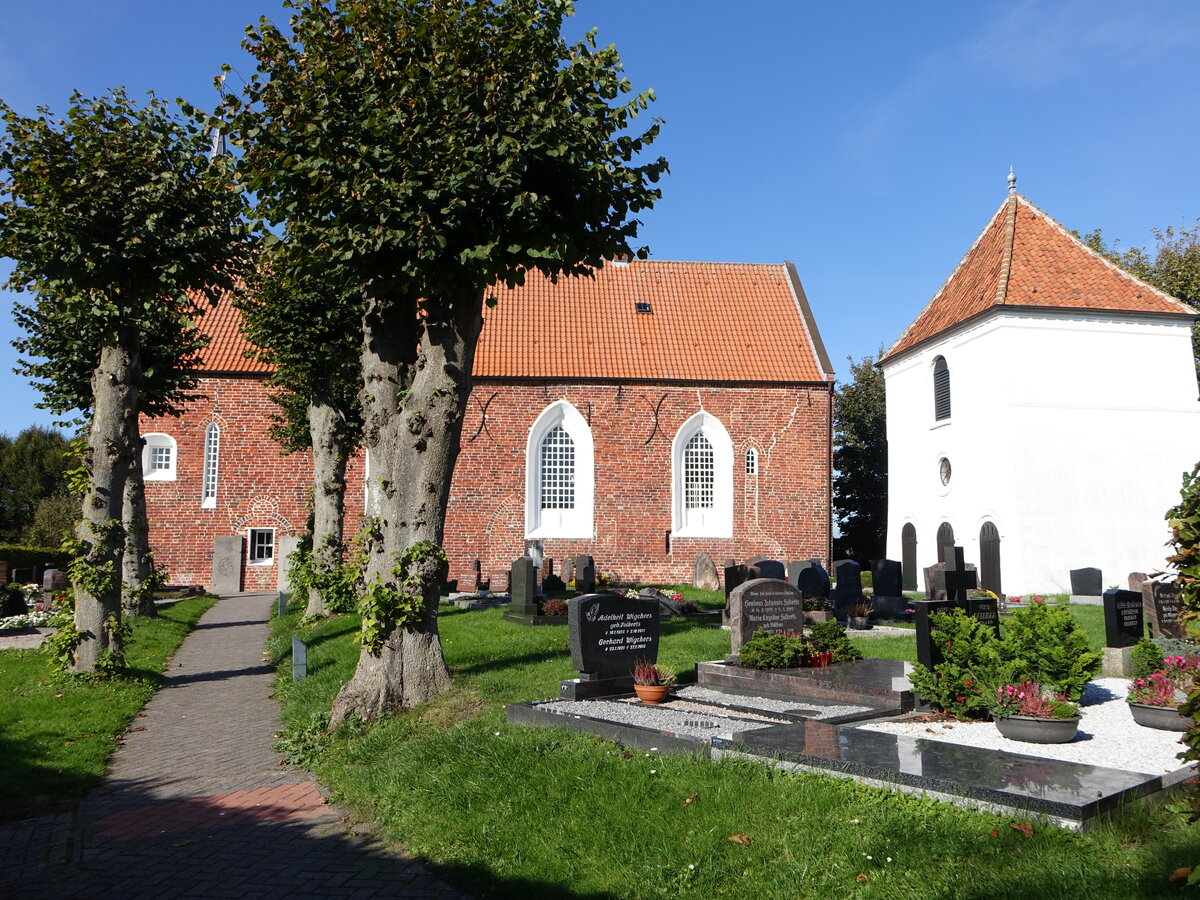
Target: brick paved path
[(196, 805)]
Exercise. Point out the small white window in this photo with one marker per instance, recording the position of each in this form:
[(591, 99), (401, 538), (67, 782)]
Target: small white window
[(702, 479), (751, 461), (212, 451), (262, 546), (158, 458), (559, 475)]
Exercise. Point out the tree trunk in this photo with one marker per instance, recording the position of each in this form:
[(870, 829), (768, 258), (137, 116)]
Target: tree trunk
[(137, 588), (97, 583), (416, 381), (328, 432)]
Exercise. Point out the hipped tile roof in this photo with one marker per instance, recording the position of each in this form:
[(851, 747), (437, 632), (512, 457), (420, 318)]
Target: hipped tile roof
[(708, 322), (1025, 259)]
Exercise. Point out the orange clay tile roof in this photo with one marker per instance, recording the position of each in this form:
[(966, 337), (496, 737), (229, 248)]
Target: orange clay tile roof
[(1024, 259), (708, 322)]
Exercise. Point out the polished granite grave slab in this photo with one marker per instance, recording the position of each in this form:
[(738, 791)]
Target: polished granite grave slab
[(881, 683), (1072, 795)]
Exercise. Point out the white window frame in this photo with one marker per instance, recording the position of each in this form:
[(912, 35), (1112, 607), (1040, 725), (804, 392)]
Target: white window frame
[(716, 521), (251, 558), (212, 462), (160, 441), (751, 461), (560, 523)]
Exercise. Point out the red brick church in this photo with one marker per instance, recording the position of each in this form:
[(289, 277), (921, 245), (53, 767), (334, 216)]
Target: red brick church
[(655, 411)]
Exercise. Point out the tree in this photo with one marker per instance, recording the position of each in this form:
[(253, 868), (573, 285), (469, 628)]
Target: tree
[(33, 467), (860, 461), (1173, 267), (119, 227), (428, 150), (307, 329)]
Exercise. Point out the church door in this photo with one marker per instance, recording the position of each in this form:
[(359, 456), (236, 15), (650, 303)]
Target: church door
[(908, 556), (989, 558), (945, 543)]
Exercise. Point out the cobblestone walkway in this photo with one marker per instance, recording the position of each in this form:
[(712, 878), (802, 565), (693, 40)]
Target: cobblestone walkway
[(196, 805)]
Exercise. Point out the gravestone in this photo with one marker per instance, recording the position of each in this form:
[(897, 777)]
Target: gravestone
[(793, 572), (768, 568), (734, 576), (299, 659), (1124, 618), (585, 574), (568, 570), (847, 587), (22, 576), (533, 549), (754, 560), (287, 546), (1087, 582), (726, 563), (54, 580), (813, 581), (704, 574), (608, 634), (524, 587), (765, 603), (986, 610), (552, 584), (887, 588), (960, 578), (935, 581), (227, 565), (1138, 581), (666, 606), (1163, 609), (929, 654)]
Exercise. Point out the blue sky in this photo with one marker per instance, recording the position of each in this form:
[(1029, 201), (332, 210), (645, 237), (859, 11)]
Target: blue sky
[(867, 142)]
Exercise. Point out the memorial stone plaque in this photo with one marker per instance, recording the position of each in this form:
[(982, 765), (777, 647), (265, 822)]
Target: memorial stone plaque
[(524, 578), (227, 565), (287, 546), (765, 603), (986, 610), (609, 633), (585, 574), (768, 568), (1124, 619), (1087, 582), (1165, 610)]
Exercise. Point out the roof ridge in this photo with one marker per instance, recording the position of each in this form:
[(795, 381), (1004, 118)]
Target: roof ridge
[(1127, 275), (1006, 258)]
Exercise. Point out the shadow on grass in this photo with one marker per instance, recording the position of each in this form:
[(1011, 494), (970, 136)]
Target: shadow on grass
[(508, 662)]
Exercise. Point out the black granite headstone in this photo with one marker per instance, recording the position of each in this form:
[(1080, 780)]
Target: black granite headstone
[(813, 581), (1124, 618), (763, 603), (886, 578), (666, 606), (1165, 610), (585, 574), (734, 575), (524, 582), (960, 578), (768, 568), (847, 586), (552, 584), (609, 633), (986, 610), (1087, 582), (928, 653)]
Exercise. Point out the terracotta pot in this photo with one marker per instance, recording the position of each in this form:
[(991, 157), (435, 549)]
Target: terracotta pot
[(652, 693), (1166, 718), (1038, 731)]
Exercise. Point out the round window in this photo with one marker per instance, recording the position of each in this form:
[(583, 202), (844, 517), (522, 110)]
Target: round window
[(944, 470)]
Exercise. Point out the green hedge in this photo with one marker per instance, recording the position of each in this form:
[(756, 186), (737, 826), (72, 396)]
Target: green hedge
[(19, 557)]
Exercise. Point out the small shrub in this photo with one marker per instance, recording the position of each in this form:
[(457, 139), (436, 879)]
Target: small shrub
[(964, 683), (832, 637), (1146, 658), (1044, 644), (765, 650), (554, 608)]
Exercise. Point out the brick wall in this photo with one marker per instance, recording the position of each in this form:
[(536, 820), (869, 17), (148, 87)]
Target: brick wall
[(781, 512)]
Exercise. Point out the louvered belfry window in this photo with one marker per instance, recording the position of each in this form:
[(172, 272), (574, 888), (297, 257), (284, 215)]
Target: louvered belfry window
[(557, 486), (941, 389), (698, 473)]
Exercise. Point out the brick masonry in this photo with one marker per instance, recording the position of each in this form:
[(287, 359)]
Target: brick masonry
[(782, 512)]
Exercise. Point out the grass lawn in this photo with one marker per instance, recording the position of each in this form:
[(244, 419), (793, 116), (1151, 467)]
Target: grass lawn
[(520, 812), (57, 732)]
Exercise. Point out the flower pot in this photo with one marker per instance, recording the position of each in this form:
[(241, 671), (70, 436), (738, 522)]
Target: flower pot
[(1037, 731), (1166, 718), (858, 623), (652, 693)]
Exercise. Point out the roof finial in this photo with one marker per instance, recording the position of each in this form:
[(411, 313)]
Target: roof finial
[(1012, 180)]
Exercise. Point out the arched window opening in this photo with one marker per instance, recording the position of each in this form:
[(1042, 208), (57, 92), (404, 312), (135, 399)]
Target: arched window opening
[(751, 461), (212, 452), (559, 475), (702, 479), (557, 485), (159, 457), (941, 389)]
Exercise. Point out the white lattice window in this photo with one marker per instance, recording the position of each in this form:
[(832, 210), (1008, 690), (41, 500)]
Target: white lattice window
[(261, 546), (702, 479), (751, 461), (559, 475), (212, 454), (557, 487), (158, 457)]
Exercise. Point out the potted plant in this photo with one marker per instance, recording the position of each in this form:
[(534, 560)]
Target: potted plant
[(1034, 714), (652, 682), (816, 609), (857, 616), (1154, 700)]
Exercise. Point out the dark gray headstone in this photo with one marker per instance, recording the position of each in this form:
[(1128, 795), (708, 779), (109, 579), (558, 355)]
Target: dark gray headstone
[(847, 586), (704, 574), (1163, 609), (726, 563), (477, 567), (524, 587), (986, 610), (960, 578), (666, 606), (609, 633), (886, 578), (54, 580), (928, 653), (22, 576), (1124, 618), (227, 564), (768, 568), (284, 599), (585, 574), (1138, 581), (765, 603), (935, 581), (1087, 582), (793, 572), (734, 576), (813, 581)]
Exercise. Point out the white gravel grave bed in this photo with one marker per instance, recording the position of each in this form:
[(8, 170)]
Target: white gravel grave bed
[(1107, 737)]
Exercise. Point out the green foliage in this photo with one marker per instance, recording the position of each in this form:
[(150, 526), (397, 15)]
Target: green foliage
[(419, 572), (965, 682), (24, 557), (60, 646), (832, 637), (33, 468), (1043, 644), (112, 660), (765, 650), (303, 745), (337, 582), (860, 462), (1145, 658), (1184, 522)]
